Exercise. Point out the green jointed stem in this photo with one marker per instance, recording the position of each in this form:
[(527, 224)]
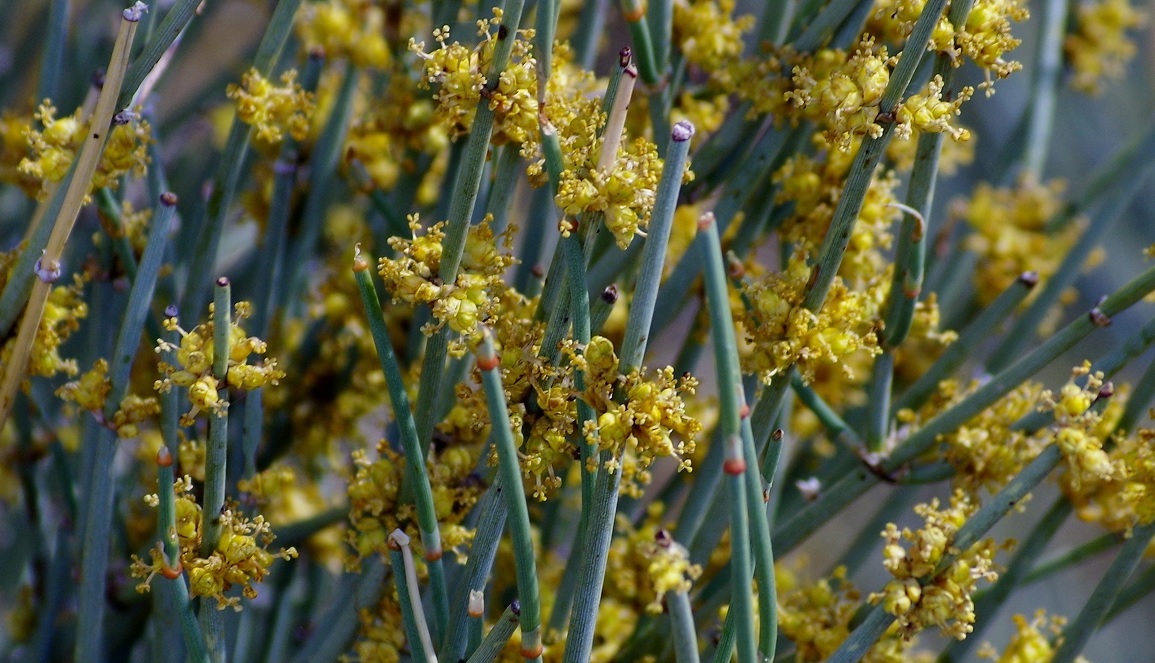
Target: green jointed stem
[(741, 599), (1025, 330), (415, 458), (1046, 76), (1079, 631), (878, 394), (48, 84), (979, 330), (733, 422), (216, 455), (603, 504), (1132, 594), (466, 187), (648, 67), (500, 634), (654, 251), (866, 159), (510, 471), (682, 624), (837, 429), (490, 523), (177, 602)]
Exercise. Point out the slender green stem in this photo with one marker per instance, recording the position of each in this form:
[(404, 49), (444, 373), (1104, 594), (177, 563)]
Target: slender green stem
[(415, 459), (216, 457), (338, 624), (654, 250), (634, 11), (500, 634), (510, 471), (1025, 330), (138, 305), (1079, 632), (94, 551), (162, 38), (866, 159), (177, 605), (1132, 594), (1046, 77), (838, 430), (682, 624), (53, 54), (579, 641), (979, 330), (878, 394), (590, 30), (1072, 557), (490, 523), (466, 187)]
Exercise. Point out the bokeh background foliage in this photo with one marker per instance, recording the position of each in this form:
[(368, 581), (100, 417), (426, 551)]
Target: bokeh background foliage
[(358, 306)]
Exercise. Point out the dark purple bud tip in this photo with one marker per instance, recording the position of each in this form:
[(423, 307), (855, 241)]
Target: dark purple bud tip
[(168, 199), (515, 607), (610, 294), (1029, 279), (170, 311), (663, 538), (624, 57), (682, 131), (223, 282)]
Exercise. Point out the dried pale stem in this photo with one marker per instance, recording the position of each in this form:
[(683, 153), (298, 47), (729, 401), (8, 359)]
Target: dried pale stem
[(409, 596), (48, 265)]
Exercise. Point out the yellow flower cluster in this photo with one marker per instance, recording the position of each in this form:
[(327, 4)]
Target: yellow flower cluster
[(379, 141), (814, 186), (816, 616), (842, 91), (1078, 435), (1033, 641), (1099, 48), (624, 192), (351, 29), (989, 450), (63, 311), (240, 558), (412, 277), (50, 151), (273, 110), (921, 595), (1011, 236), (90, 392), (783, 333), (986, 37), (707, 33), (284, 496), (375, 510), (194, 368), (645, 563), (381, 638), (460, 71), (929, 113), (638, 427)]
